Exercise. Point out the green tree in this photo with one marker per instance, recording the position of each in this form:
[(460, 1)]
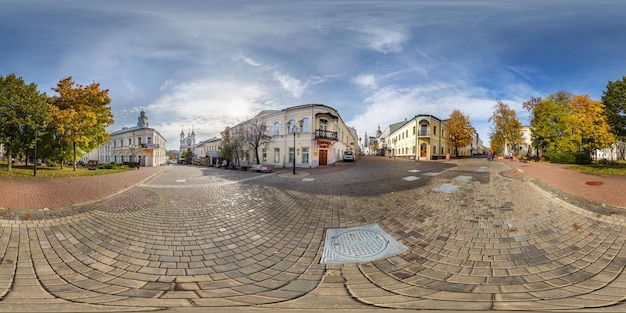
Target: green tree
[(80, 115), (554, 123), (460, 130), (595, 132), (506, 132), (614, 100), (23, 112)]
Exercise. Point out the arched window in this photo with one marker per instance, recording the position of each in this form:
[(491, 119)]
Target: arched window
[(306, 125), (292, 126)]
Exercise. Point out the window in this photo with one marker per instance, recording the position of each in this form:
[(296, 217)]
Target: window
[(114, 144), (323, 124), (292, 126), (435, 130), (264, 155), (305, 155), (130, 141), (423, 130), (149, 140), (413, 130), (121, 143), (276, 155), (291, 155), (305, 125), (276, 129), (139, 141)]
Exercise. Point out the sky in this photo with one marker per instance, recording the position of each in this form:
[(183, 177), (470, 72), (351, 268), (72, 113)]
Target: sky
[(205, 64)]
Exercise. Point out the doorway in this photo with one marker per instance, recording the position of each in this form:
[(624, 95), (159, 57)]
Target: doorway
[(323, 156)]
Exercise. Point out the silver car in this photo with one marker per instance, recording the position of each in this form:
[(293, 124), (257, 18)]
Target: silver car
[(348, 156)]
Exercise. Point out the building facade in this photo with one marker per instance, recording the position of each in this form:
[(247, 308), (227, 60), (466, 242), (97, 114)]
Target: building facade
[(425, 137), (207, 152), (317, 136), (139, 144)]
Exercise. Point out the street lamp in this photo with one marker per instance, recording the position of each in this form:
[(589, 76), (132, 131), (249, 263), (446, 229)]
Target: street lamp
[(301, 123)]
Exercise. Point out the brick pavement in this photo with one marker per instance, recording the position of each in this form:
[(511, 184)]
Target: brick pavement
[(192, 237)]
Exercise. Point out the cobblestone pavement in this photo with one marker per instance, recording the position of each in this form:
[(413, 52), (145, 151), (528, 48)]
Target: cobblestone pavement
[(477, 237)]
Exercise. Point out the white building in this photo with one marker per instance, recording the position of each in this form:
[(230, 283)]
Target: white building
[(139, 144), (320, 141)]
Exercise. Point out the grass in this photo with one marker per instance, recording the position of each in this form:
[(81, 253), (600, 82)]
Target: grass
[(43, 171), (618, 169)]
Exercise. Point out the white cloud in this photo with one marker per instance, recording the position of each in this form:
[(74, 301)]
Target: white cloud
[(249, 61), (292, 85), (366, 80), (382, 39)]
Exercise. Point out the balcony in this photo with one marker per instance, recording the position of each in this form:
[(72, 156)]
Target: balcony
[(423, 133), (325, 134), (149, 146)]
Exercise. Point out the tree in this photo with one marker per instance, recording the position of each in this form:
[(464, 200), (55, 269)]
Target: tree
[(554, 124), (232, 144), (460, 130), (614, 100), (507, 129), (80, 115), (23, 112), (256, 135), (595, 132)]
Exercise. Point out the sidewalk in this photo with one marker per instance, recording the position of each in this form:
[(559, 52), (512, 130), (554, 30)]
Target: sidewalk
[(605, 190), (29, 194)]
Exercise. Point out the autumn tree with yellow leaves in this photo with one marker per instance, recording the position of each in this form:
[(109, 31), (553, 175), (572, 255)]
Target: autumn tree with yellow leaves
[(506, 132), (79, 118), (592, 127), (460, 130)]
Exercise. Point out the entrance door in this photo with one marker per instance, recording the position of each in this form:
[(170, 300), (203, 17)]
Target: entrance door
[(423, 150), (323, 160)]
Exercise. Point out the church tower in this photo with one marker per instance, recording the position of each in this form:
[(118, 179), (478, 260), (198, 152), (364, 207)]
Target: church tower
[(142, 121)]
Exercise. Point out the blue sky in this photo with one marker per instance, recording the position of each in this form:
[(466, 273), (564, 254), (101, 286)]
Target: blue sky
[(211, 64)]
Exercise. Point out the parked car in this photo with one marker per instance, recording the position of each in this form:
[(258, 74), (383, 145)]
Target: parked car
[(348, 156)]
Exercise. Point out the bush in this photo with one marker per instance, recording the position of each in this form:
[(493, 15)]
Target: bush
[(569, 158), (50, 163), (109, 166)]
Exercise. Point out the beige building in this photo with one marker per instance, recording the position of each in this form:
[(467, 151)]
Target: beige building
[(140, 144), (424, 137), (317, 137)]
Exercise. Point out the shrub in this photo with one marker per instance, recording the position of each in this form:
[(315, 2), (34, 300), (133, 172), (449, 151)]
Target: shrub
[(109, 166), (569, 158)]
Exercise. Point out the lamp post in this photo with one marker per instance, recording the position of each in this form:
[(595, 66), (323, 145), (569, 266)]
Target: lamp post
[(295, 127)]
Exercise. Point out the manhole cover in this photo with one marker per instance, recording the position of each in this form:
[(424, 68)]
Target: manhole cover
[(360, 243), (593, 183)]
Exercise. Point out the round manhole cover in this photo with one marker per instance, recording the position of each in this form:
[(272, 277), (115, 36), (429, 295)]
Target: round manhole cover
[(361, 243), (593, 183)]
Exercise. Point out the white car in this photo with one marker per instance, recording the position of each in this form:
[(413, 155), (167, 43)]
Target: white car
[(348, 156)]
